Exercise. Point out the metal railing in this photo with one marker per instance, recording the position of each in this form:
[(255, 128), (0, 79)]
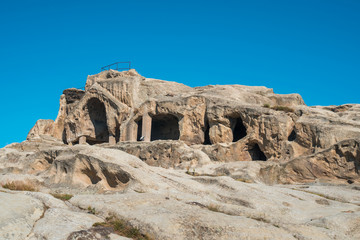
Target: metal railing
[(115, 66)]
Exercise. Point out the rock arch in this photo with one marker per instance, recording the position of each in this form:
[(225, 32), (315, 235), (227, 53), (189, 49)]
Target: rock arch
[(79, 126), (165, 127)]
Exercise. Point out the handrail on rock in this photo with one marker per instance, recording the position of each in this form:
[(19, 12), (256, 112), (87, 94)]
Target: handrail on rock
[(108, 67)]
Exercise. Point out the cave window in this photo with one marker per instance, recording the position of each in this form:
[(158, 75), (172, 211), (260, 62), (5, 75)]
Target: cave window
[(238, 129), (292, 136), (117, 132), (97, 113), (165, 127), (256, 153), (139, 130)]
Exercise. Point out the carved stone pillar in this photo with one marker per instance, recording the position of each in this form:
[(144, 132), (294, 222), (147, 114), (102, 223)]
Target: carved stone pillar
[(146, 127), (82, 140), (112, 140)]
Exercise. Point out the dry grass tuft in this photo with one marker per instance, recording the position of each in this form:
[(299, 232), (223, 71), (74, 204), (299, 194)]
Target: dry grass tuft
[(139, 191), (64, 197), (279, 108), (213, 207), (122, 228), (244, 180), (20, 186), (283, 108), (260, 218), (322, 201)]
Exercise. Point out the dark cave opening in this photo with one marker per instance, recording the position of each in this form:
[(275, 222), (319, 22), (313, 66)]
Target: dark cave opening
[(256, 153), (165, 127), (97, 113), (139, 130), (238, 128), (206, 134), (292, 136), (117, 132), (64, 138)]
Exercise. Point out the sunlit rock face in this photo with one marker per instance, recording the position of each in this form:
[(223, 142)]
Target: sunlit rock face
[(167, 161), (227, 123)]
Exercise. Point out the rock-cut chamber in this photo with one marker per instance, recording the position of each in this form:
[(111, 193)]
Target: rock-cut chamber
[(97, 113), (165, 127)]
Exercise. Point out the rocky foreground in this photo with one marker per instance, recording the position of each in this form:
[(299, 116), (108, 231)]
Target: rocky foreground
[(216, 201), (140, 158)]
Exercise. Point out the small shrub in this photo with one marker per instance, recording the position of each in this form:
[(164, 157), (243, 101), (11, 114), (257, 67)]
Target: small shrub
[(19, 186), (64, 197), (122, 228), (193, 173), (266, 105), (91, 210), (99, 224)]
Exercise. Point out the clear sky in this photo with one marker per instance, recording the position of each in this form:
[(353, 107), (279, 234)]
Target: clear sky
[(311, 47)]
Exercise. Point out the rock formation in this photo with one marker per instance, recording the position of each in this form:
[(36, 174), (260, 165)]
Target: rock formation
[(175, 162), (223, 123)]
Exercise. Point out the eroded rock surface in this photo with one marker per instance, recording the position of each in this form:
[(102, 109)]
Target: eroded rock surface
[(18, 215), (218, 200), (174, 162)]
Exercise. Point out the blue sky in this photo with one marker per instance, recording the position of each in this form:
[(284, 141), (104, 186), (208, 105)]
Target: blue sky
[(311, 47)]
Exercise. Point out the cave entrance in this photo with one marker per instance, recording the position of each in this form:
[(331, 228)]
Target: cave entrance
[(207, 133), (97, 113), (256, 153), (139, 136), (238, 128), (165, 127)]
